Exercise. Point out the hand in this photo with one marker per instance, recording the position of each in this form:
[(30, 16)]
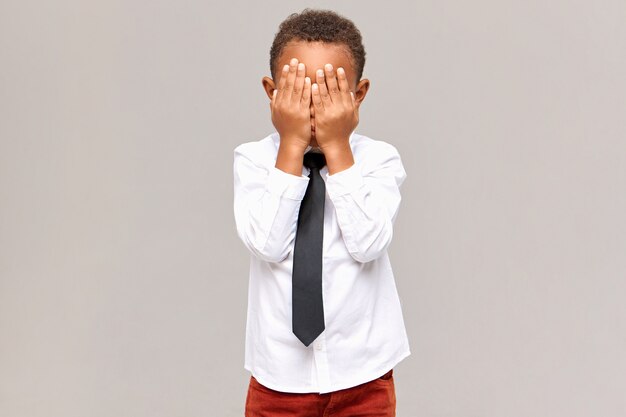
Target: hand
[(336, 111), (290, 106)]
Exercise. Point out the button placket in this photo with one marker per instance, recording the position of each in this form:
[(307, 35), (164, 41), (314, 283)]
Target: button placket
[(321, 362)]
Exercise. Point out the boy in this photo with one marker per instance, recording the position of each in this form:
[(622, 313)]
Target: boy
[(315, 204)]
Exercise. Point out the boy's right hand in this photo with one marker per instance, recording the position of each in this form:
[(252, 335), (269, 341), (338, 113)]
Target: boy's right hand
[(290, 106)]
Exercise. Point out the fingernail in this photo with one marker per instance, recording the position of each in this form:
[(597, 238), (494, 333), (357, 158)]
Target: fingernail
[(300, 66), (340, 71), (328, 67), (320, 73)]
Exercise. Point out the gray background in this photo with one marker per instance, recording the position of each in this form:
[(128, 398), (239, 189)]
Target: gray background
[(123, 285)]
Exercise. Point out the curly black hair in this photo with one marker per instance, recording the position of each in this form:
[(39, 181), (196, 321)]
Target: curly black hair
[(317, 25)]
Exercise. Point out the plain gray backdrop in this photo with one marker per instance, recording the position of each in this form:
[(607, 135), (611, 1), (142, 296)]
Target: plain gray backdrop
[(123, 285)]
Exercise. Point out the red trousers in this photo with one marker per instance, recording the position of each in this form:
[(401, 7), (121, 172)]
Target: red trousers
[(376, 398)]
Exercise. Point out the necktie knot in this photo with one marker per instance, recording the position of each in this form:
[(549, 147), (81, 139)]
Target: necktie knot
[(314, 160)]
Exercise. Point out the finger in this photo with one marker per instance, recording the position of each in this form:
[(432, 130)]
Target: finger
[(273, 99), (299, 83), (291, 79), (316, 97), (306, 92), (323, 91), (344, 87), (331, 82), (355, 105), (283, 80)]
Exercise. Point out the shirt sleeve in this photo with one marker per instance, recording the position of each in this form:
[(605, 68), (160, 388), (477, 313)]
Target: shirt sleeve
[(266, 206), (367, 197)]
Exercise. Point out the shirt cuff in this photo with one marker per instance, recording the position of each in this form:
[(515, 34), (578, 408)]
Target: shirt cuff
[(344, 182), (286, 185)]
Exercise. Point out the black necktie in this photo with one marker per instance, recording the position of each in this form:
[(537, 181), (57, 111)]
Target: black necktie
[(307, 307)]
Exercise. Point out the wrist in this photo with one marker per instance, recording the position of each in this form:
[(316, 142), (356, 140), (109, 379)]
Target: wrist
[(289, 158), (336, 149), (293, 144), (291, 150), (338, 157)]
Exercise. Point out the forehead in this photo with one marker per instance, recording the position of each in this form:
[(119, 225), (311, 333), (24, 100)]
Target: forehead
[(315, 55)]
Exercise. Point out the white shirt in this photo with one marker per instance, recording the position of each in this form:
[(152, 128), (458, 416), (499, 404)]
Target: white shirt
[(364, 334)]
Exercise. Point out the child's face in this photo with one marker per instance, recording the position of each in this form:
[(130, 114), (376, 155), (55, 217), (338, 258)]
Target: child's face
[(314, 55)]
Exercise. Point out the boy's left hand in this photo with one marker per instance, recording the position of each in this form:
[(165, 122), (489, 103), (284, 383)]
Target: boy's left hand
[(336, 111)]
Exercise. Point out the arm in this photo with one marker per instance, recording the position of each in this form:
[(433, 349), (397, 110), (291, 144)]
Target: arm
[(366, 199), (366, 194), (266, 206)]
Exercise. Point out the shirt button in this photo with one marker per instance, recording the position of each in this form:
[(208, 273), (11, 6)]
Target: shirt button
[(318, 346)]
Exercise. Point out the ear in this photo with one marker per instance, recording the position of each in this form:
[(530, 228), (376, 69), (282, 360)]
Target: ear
[(361, 91), (269, 86)]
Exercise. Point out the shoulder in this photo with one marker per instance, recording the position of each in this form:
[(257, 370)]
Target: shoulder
[(260, 152), (370, 150), (378, 158)]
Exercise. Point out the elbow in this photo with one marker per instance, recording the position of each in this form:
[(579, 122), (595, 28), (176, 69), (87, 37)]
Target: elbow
[(364, 257), (274, 255), (262, 248), (373, 249)]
